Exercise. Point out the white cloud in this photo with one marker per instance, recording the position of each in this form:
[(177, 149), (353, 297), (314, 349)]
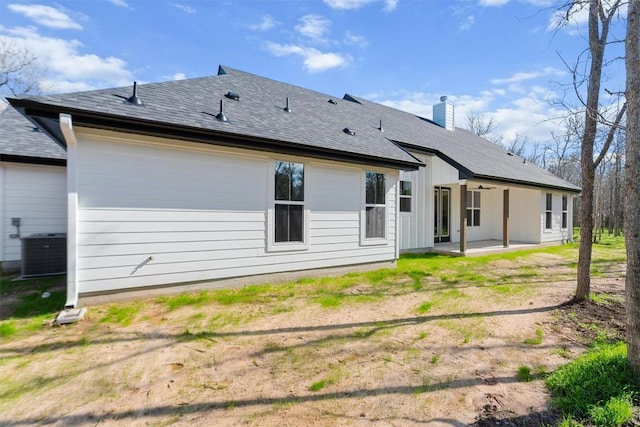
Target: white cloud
[(314, 26), (530, 75), (120, 3), (185, 8), (493, 3), (179, 76), (572, 20), (389, 5), (467, 23), (46, 16), (314, 60), (265, 24), (66, 67), (355, 39), (526, 116)]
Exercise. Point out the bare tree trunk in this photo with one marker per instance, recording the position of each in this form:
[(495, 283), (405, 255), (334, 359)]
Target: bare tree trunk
[(632, 185), (597, 42)]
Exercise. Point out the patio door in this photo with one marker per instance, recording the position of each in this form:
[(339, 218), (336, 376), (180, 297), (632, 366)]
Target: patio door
[(441, 214)]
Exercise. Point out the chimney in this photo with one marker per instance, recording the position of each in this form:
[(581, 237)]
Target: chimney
[(443, 114)]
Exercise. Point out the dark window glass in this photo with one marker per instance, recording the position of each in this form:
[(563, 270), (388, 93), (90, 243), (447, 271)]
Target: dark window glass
[(565, 203), (547, 220), (549, 202), (289, 181), (469, 217), (375, 221), (405, 188), (405, 196), (289, 187), (289, 223), (376, 188)]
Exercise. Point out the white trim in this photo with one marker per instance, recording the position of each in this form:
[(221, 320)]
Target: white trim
[(364, 241), (2, 214), (272, 246), (66, 126)]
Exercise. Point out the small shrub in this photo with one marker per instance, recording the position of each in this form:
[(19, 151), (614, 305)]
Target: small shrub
[(424, 307), (524, 374), (318, 385), (616, 412), (537, 340)]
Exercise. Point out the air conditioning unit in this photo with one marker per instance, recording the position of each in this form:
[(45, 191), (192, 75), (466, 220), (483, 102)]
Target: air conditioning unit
[(44, 254)]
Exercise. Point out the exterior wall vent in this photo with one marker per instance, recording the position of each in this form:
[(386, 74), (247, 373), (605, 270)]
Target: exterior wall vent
[(44, 254)]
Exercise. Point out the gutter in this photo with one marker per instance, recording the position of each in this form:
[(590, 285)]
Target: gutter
[(139, 126), (66, 126)]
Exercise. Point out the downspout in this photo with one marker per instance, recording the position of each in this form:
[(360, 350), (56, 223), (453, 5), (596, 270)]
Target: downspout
[(66, 127)]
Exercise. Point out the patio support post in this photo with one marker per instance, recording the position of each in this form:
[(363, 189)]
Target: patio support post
[(505, 218), (463, 218)]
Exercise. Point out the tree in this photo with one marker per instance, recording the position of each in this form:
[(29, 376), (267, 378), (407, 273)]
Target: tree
[(483, 125), (19, 70), (632, 185), (601, 15)]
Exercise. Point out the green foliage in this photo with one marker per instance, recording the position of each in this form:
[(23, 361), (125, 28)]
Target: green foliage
[(318, 385), (122, 314), (616, 412), (7, 328), (182, 300), (600, 378), (424, 307), (524, 374), (537, 340)]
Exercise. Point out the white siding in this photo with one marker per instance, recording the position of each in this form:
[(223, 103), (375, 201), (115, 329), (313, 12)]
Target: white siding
[(524, 215), (37, 195), (556, 233), (152, 212), (416, 227)]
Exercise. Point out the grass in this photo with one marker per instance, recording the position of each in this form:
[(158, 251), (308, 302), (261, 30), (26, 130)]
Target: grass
[(537, 340), (214, 320), (597, 387)]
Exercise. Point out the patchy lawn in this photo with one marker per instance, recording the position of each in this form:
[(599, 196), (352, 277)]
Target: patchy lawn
[(443, 341)]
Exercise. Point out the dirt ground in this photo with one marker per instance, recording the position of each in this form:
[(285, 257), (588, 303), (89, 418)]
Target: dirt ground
[(295, 363)]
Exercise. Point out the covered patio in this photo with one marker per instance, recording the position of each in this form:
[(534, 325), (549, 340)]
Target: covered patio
[(481, 247)]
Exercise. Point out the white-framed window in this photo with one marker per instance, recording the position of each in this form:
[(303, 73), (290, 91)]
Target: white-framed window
[(375, 206), (406, 196), (473, 208), (565, 212), (288, 217), (548, 211)]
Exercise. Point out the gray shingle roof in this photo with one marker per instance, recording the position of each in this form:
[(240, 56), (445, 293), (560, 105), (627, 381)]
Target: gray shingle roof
[(314, 124), (21, 138), (474, 156)]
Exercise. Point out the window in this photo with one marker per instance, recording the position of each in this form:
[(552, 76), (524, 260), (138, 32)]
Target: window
[(289, 202), (405, 196), (565, 206), (548, 211), (473, 208), (375, 207)]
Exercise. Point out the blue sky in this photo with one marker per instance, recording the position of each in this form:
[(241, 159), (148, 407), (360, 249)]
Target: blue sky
[(499, 58)]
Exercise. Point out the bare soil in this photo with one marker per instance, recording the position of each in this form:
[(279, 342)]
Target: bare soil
[(293, 362)]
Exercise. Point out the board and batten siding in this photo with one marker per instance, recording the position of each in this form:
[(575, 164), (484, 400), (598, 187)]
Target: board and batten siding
[(158, 212), (37, 195), (556, 233)]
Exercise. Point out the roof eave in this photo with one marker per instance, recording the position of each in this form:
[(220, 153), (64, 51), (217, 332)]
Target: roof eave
[(104, 121)]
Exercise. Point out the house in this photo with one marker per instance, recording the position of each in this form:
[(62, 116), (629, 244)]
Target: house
[(33, 185), (236, 175)]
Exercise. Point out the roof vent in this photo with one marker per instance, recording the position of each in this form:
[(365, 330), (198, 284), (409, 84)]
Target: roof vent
[(443, 98), (380, 128), (349, 131), (287, 109), (331, 101), (233, 95), (133, 99), (220, 116)]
